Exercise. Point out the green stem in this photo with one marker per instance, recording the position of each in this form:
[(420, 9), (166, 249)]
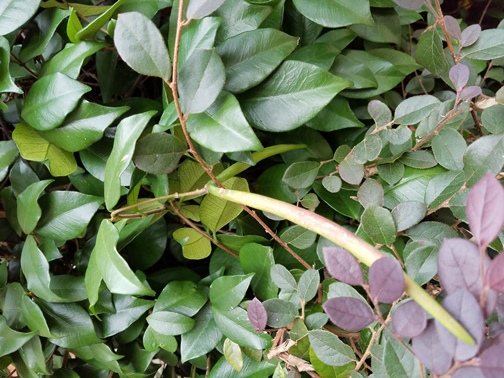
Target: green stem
[(345, 239)]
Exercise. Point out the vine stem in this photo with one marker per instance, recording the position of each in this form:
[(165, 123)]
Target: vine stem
[(440, 20), (183, 123), (363, 251)]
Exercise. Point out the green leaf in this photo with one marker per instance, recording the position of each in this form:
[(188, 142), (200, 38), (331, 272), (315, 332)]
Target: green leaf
[(308, 285), (332, 184), (200, 81), (430, 54), (485, 154), (351, 171), (399, 135), (36, 270), (203, 338), (336, 115), (33, 355), (233, 354), (379, 225), (227, 292), (94, 26), (158, 153), (234, 324), (340, 201), (153, 340), (330, 349), (170, 323), (100, 355), (6, 82), (183, 297), (283, 278), (215, 212), (418, 159), (357, 72), (399, 361), (414, 109), (368, 149), (111, 266), (70, 322), (199, 34), (421, 261), (34, 317), (319, 54), (489, 46), (301, 174), (280, 312), (443, 187), (11, 340), (51, 99), (491, 119), (408, 214), (298, 236), (39, 38), (223, 127), (73, 26), (251, 369), (83, 127), (251, 56), (141, 45), (28, 209), (32, 146), (66, 214), (294, 101), (201, 8), (391, 173), (336, 13), (127, 133), (328, 371), (14, 14), (10, 297), (386, 27), (8, 155), (194, 245), (258, 259)]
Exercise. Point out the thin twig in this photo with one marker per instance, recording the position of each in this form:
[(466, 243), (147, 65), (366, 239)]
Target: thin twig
[(447, 119)]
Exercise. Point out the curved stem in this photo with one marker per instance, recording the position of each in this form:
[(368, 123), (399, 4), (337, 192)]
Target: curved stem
[(347, 240)]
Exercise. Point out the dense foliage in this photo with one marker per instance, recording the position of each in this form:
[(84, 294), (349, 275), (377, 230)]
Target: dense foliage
[(251, 188)]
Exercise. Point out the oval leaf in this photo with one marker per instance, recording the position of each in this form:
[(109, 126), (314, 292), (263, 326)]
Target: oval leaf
[(430, 351), (158, 153), (301, 174), (407, 214), (170, 323), (194, 245), (329, 348), (379, 225), (228, 291), (201, 8), (386, 280), (343, 266), (349, 313), (335, 13), (409, 319), (257, 315)]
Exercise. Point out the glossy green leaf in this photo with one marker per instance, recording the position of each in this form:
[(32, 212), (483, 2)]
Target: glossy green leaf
[(298, 236), (28, 209), (442, 187), (51, 99), (421, 261), (330, 349), (301, 174), (32, 146), (11, 340), (200, 81), (6, 82), (36, 270), (341, 201), (8, 154), (94, 26), (334, 14), (386, 27), (489, 45), (201, 8), (70, 322), (251, 56), (153, 340), (251, 369), (408, 214), (308, 285), (14, 14), (357, 72), (233, 354), (128, 309), (39, 38), (170, 323), (485, 154), (158, 153), (201, 339), (10, 297), (223, 127), (328, 371), (414, 109), (183, 297), (83, 126), (33, 356), (430, 54), (100, 355), (34, 317), (194, 245), (66, 214), (234, 324), (292, 101), (335, 116), (228, 291), (379, 225), (111, 266), (199, 34), (141, 45), (73, 26), (127, 133), (215, 212), (319, 54), (258, 259)]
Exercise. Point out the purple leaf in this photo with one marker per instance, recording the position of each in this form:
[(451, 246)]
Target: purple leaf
[(491, 361), (458, 266), (470, 92), (495, 274), (470, 35), (409, 319), (452, 27), (429, 350), (464, 308), (484, 209), (459, 75), (410, 4), (349, 313), (386, 280), (500, 305), (469, 372), (257, 315), (343, 266)]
